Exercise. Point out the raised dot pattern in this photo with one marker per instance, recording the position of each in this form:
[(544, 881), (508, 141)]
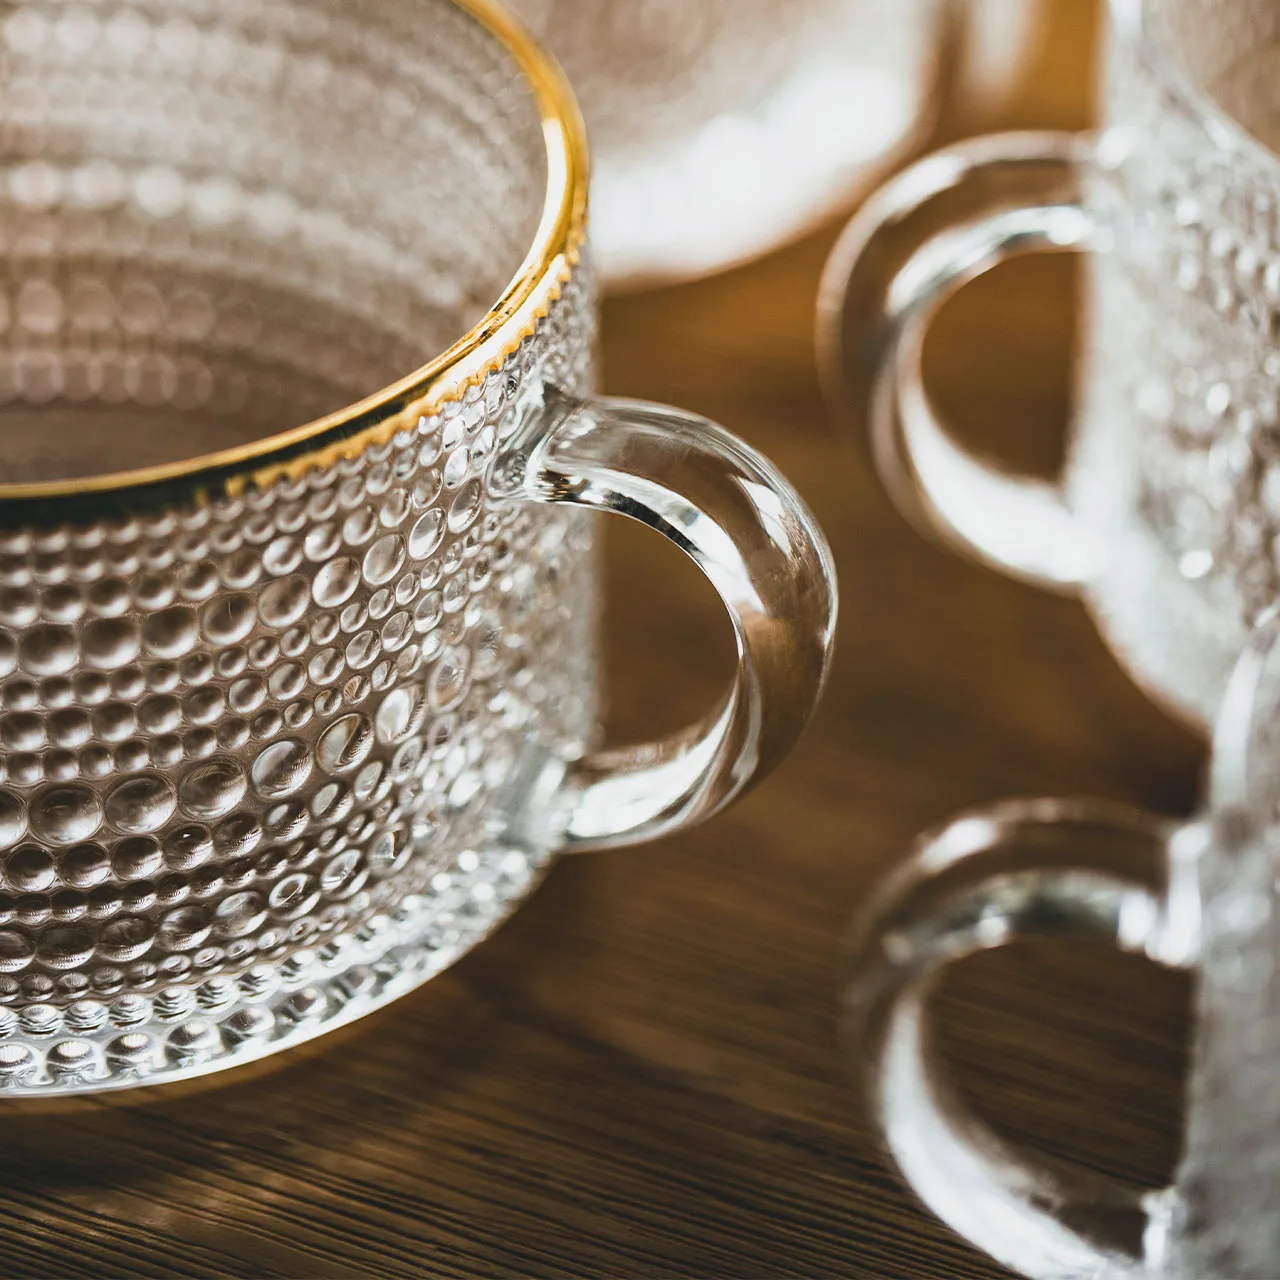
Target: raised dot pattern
[(252, 749), (1176, 458)]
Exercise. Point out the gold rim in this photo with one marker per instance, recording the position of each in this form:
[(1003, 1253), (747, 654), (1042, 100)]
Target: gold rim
[(378, 417)]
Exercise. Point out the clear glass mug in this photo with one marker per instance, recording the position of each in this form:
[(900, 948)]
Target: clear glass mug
[(1167, 515), (291, 716), (1203, 896), (723, 127)]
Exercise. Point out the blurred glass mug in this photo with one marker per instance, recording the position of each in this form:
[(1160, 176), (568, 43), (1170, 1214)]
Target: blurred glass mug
[(292, 719), (1168, 513), (722, 127), (1203, 896)]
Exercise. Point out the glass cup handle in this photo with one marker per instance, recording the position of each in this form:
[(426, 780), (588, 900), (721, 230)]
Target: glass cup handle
[(885, 281), (1098, 872), (746, 528)]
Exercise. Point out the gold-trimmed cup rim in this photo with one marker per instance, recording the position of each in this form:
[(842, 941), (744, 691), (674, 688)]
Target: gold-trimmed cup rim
[(376, 418)]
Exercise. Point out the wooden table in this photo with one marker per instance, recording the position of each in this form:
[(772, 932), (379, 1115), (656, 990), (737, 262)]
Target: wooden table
[(640, 1076)]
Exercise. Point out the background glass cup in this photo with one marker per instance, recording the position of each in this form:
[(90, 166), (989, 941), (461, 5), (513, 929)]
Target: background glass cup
[(720, 128), (1166, 518), (1201, 896), (292, 716)]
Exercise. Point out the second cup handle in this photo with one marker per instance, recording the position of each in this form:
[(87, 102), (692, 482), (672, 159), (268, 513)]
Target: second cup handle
[(1022, 869), (746, 528), (885, 281)]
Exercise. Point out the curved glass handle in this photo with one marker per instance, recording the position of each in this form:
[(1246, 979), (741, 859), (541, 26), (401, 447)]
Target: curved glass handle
[(883, 284), (745, 527), (1099, 873)]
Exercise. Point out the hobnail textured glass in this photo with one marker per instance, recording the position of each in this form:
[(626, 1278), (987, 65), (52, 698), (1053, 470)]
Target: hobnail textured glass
[(1202, 897), (1176, 461), (1169, 512), (720, 127), (248, 743), (276, 723)]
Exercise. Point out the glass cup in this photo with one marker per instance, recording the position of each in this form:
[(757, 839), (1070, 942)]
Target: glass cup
[(722, 127), (291, 716), (1202, 896), (1167, 517)]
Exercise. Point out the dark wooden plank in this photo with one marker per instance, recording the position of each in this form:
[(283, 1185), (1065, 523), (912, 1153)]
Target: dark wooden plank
[(640, 1075)]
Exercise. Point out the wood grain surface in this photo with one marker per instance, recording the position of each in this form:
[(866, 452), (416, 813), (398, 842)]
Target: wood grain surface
[(640, 1075)]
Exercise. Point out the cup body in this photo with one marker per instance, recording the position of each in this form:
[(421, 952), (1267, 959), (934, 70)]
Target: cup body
[(1218, 1219), (270, 742), (721, 127), (258, 746), (1175, 464)]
